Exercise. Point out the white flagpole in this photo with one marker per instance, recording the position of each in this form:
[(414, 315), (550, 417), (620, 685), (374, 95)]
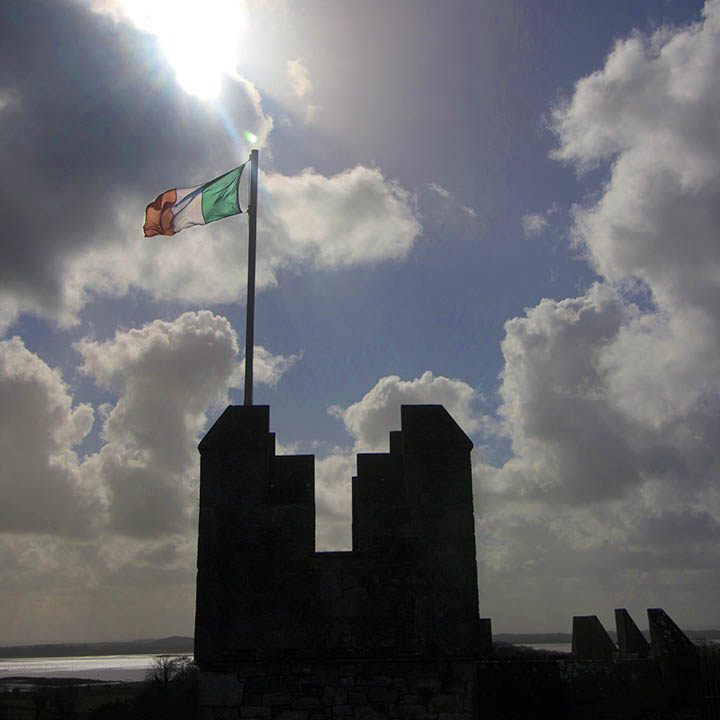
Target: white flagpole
[(250, 321)]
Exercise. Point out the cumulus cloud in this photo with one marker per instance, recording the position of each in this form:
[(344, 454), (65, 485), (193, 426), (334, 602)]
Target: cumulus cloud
[(84, 227), (165, 375), (578, 433), (652, 111), (143, 480), (333, 498), (369, 421), (357, 216), (113, 530), (610, 494), (534, 224), (83, 237), (41, 488)]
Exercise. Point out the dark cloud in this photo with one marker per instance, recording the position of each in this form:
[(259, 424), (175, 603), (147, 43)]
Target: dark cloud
[(91, 115)]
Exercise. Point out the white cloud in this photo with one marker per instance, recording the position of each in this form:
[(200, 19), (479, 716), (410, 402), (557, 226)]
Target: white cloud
[(143, 480), (370, 419), (260, 124), (299, 77), (267, 368), (165, 375), (333, 498), (439, 190), (369, 422), (110, 537), (302, 87), (469, 211), (653, 111), (355, 217), (610, 496), (534, 224), (572, 443), (41, 488)]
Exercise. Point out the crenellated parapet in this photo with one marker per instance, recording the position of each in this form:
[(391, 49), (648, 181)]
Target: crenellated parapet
[(389, 629), (408, 588)]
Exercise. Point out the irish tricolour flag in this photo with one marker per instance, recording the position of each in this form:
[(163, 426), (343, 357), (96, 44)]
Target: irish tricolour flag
[(180, 208)]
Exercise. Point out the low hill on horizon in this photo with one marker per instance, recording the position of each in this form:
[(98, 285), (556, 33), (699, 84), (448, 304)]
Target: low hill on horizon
[(542, 638), (173, 645), (181, 645)]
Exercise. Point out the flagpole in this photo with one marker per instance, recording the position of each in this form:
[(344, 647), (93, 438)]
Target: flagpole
[(250, 321)]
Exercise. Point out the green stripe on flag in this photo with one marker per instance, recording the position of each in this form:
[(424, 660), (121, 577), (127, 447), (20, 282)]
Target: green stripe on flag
[(220, 196)]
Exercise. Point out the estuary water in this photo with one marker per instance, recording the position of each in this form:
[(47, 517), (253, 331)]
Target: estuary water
[(126, 668), (557, 647)]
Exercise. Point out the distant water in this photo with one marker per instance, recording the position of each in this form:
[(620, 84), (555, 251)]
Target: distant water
[(567, 647), (127, 668), (557, 647)]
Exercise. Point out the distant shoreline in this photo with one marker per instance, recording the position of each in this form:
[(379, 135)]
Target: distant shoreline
[(57, 681), (182, 645), (544, 638), (175, 645)]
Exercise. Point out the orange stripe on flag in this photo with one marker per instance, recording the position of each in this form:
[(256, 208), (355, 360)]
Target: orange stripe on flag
[(159, 214)]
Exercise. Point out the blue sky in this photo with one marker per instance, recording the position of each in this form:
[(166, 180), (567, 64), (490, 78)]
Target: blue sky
[(507, 207)]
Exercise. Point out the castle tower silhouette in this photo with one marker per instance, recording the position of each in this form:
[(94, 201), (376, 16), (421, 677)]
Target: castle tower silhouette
[(407, 589), (389, 630)]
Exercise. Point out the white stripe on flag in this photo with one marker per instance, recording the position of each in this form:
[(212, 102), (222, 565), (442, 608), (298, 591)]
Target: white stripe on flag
[(187, 210)]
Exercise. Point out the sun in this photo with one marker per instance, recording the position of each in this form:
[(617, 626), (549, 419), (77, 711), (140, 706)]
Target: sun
[(199, 37)]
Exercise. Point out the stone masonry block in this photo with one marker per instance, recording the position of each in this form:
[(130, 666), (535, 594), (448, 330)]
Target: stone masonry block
[(219, 689), (335, 696), (251, 711), (293, 715)]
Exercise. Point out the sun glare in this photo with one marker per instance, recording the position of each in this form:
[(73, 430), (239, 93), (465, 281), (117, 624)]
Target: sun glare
[(199, 37)]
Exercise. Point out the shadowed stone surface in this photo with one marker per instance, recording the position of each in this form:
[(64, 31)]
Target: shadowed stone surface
[(630, 640), (390, 630), (590, 641), (678, 656), (408, 588), (668, 640)]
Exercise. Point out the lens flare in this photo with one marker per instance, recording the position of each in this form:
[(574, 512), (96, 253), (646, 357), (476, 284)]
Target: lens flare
[(200, 39), (251, 137)]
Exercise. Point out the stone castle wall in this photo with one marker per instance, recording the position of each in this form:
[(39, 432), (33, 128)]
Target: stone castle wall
[(391, 629), (407, 589), (344, 689)]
